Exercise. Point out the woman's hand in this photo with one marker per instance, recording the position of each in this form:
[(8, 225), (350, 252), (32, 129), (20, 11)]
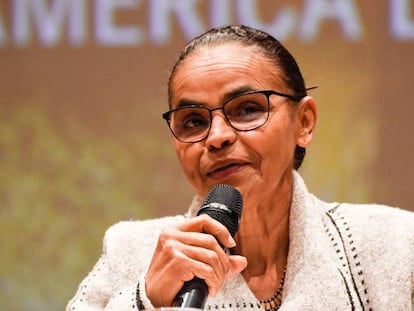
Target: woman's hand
[(187, 250)]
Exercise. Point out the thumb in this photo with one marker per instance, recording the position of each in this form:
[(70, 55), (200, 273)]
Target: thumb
[(237, 265)]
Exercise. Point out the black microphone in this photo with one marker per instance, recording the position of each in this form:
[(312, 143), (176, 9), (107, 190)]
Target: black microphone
[(223, 203)]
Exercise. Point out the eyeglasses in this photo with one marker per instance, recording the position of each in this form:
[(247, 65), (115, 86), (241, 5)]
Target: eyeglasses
[(244, 112)]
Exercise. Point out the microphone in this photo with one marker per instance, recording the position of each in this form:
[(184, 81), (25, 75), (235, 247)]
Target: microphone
[(223, 203)]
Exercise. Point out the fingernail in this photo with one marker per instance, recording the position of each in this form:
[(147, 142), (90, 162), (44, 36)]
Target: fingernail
[(232, 242)]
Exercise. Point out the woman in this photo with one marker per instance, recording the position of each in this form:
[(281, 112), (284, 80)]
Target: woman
[(240, 115)]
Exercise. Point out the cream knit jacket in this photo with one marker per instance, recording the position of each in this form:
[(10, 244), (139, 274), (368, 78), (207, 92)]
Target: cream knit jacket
[(341, 257)]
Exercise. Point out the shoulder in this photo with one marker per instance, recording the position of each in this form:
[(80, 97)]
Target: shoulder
[(381, 215), (128, 247), (129, 226), (137, 237), (138, 231), (379, 240), (376, 224)]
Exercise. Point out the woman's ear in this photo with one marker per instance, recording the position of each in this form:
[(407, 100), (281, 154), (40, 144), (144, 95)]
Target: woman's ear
[(306, 122)]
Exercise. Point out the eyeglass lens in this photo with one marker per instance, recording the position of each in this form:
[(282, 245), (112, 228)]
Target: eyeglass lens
[(244, 113)]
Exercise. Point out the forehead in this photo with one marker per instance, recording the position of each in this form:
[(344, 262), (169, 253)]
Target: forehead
[(210, 71)]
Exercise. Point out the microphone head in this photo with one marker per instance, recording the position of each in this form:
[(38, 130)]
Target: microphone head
[(224, 203)]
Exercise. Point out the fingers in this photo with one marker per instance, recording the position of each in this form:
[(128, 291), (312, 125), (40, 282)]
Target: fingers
[(187, 250), (193, 256), (201, 249), (206, 224)]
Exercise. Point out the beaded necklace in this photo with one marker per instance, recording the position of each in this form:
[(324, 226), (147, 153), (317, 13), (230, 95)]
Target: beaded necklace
[(274, 303)]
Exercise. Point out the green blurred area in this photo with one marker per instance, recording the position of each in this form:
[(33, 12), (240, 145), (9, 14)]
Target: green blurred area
[(57, 198)]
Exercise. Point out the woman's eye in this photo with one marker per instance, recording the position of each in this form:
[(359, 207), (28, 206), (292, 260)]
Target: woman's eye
[(193, 121), (247, 108)]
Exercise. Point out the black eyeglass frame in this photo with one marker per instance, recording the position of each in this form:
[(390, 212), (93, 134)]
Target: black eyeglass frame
[(268, 93)]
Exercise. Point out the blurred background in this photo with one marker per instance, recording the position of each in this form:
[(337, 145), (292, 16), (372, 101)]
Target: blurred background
[(83, 145)]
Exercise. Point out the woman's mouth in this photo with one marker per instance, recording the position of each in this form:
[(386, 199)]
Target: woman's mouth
[(225, 171)]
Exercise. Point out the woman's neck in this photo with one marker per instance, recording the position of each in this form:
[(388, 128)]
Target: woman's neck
[(263, 238)]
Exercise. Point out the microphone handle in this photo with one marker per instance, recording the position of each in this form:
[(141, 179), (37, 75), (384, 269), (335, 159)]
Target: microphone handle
[(192, 295)]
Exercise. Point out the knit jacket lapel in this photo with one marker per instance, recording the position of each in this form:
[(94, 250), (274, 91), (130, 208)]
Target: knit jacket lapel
[(313, 281)]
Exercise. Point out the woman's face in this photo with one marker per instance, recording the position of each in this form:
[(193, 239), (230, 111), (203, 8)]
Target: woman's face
[(254, 161)]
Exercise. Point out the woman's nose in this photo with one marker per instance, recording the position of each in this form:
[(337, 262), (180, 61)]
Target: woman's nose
[(221, 133)]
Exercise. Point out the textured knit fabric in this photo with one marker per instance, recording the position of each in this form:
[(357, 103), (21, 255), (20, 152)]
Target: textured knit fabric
[(341, 257)]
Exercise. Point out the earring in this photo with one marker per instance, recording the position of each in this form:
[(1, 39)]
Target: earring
[(300, 152)]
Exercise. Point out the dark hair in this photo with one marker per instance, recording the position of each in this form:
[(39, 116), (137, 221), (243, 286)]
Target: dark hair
[(267, 44)]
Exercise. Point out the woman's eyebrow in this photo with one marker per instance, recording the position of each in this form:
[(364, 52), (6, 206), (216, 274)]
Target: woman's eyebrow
[(236, 92), (185, 102)]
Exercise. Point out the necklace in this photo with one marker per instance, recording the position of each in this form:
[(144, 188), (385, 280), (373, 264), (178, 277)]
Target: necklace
[(273, 303)]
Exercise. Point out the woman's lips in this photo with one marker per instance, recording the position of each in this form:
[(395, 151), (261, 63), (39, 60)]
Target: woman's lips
[(226, 170)]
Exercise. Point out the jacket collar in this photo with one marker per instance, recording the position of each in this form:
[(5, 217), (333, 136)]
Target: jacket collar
[(313, 281)]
